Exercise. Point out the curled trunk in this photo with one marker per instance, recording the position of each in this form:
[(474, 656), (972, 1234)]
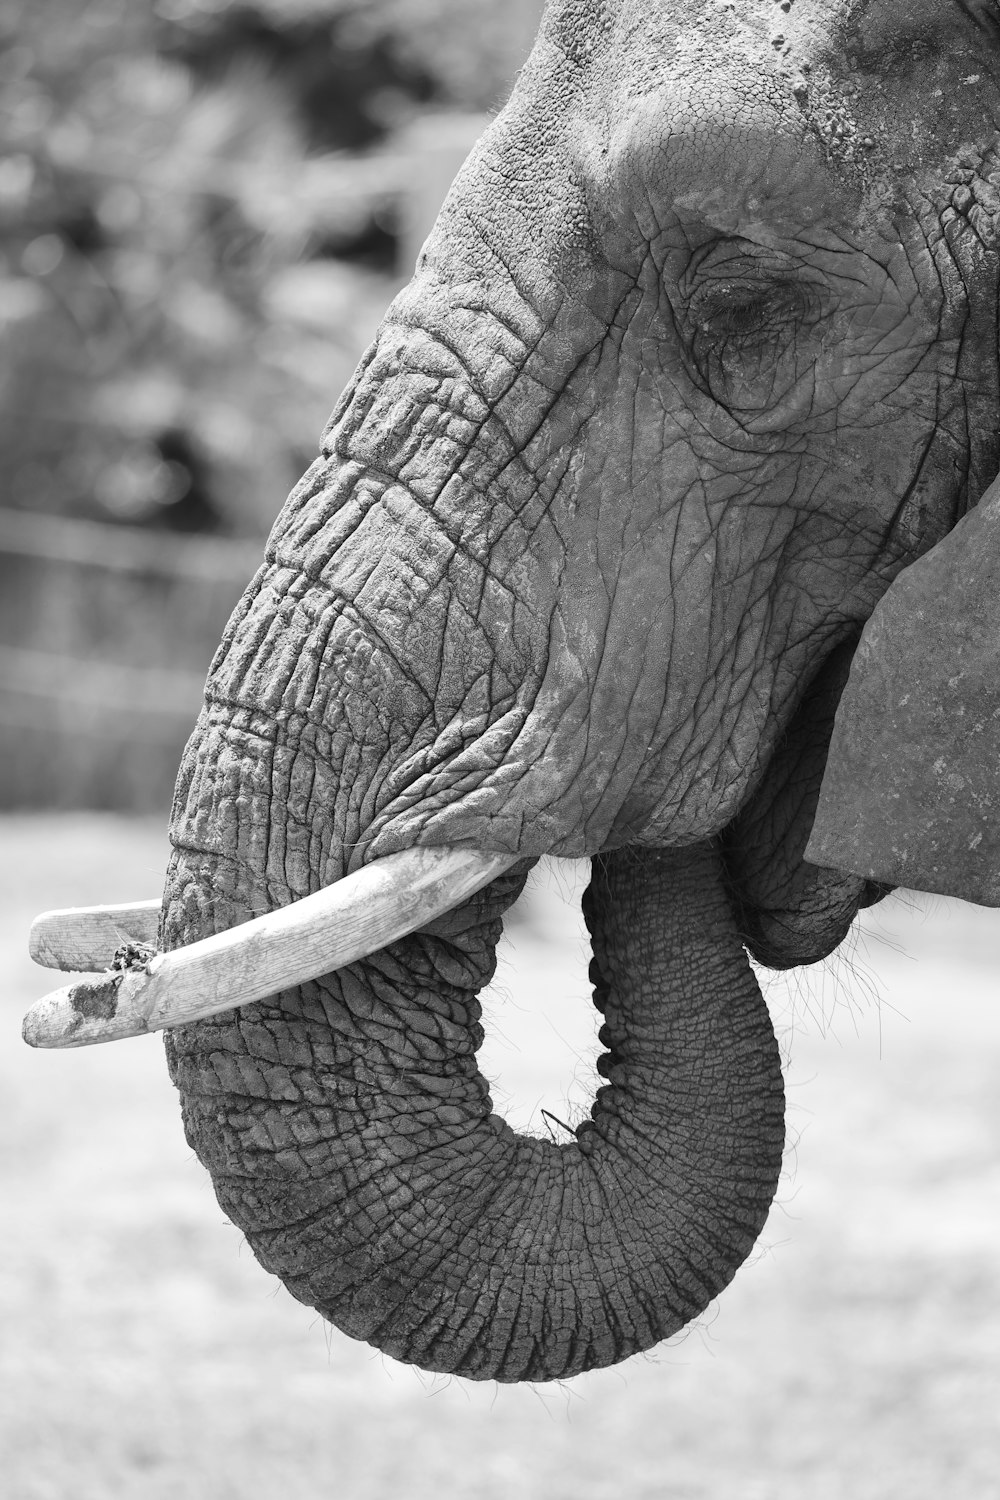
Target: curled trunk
[(351, 1136)]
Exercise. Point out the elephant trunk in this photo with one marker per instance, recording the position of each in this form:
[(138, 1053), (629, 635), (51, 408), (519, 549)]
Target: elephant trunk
[(351, 1136)]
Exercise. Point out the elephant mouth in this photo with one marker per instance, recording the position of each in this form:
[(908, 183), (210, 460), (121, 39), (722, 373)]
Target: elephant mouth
[(790, 911)]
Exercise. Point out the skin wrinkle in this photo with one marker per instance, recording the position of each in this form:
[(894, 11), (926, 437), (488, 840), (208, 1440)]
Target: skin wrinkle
[(504, 1191), (592, 516), (487, 314), (531, 436), (476, 437)]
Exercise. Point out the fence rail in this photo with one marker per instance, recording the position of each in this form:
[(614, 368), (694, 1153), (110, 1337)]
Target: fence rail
[(106, 634)]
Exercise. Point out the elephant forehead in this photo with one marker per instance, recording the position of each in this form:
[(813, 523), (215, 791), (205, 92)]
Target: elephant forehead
[(921, 77), (915, 83), (646, 42), (888, 31), (757, 116)]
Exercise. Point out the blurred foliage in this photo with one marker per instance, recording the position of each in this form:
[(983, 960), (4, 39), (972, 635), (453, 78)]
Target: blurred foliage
[(461, 52), (197, 235)]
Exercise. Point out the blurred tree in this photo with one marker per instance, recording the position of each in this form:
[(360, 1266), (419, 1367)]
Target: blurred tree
[(196, 239), (389, 56)]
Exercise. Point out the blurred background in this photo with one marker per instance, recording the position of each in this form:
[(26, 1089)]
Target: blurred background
[(205, 208)]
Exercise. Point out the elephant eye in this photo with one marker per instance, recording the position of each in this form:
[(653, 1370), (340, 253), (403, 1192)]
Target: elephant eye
[(744, 310), (734, 313)]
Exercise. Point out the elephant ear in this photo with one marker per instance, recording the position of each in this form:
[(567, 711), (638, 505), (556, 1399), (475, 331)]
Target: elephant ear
[(911, 792)]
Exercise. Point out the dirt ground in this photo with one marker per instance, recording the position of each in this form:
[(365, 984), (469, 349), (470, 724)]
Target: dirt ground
[(856, 1357)]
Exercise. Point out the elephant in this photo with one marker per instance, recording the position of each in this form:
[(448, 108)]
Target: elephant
[(699, 358)]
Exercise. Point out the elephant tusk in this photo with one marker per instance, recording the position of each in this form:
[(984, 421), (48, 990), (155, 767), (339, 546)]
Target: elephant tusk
[(85, 938), (336, 926)]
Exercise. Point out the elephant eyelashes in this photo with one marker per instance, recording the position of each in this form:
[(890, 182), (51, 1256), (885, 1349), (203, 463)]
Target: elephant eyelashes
[(735, 313), (745, 306)]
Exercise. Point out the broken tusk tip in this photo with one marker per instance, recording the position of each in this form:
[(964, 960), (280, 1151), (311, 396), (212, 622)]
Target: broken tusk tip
[(85, 938), (50, 1021), (38, 940), (29, 1031), (85, 1013)]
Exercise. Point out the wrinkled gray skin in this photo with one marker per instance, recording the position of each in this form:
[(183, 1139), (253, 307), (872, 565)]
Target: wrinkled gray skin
[(701, 353)]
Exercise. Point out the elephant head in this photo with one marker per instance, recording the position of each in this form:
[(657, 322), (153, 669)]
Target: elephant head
[(701, 354)]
